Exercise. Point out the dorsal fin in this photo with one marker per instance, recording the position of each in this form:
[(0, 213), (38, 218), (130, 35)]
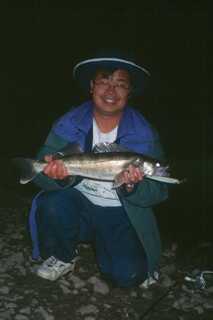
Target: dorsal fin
[(108, 147), (68, 150)]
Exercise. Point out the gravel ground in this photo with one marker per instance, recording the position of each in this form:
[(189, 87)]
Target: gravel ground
[(83, 294)]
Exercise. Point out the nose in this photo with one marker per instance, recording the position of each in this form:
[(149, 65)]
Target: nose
[(111, 86)]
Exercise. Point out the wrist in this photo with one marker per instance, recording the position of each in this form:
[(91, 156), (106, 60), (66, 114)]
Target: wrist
[(129, 187)]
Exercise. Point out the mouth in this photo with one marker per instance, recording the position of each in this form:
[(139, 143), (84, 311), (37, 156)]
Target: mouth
[(109, 100)]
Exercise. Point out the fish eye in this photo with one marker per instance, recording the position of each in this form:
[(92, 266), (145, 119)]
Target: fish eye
[(158, 164)]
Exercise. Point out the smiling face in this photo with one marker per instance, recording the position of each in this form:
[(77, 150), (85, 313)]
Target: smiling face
[(110, 91)]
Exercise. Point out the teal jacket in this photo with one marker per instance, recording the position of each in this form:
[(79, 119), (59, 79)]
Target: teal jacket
[(134, 133)]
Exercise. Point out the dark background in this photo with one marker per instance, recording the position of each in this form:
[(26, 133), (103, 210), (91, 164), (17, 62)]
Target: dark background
[(40, 43)]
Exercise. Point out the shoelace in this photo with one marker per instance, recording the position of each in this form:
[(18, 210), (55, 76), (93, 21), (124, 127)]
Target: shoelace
[(200, 280), (51, 261)]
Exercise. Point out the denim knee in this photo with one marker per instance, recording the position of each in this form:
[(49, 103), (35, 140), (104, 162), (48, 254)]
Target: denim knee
[(44, 199), (47, 202)]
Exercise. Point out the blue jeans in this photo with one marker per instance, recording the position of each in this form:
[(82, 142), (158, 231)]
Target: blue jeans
[(66, 218)]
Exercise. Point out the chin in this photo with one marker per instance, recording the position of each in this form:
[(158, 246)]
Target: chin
[(108, 111)]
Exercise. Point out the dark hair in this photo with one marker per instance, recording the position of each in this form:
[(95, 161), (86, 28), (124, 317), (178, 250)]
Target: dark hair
[(110, 71)]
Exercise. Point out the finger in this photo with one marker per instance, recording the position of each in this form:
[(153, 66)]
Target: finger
[(65, 172), (135, 174), (48, 168), (60, 171), (126, 177), (56, 170), (51, 169), (139, 174), (48, 158)]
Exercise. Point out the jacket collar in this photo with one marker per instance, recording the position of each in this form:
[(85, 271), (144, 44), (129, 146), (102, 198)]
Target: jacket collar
[(126, 125), (84, 120)]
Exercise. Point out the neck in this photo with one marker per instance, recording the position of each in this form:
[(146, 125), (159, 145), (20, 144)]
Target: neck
[(107, 123)]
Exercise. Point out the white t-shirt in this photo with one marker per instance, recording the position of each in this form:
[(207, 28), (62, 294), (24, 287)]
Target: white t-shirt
[(98, 192)]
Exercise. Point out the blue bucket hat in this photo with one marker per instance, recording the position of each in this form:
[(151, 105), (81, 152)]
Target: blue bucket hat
[(83, 71)]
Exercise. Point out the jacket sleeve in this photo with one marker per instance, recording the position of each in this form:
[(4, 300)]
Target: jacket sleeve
[(147, 193), (53, 144)]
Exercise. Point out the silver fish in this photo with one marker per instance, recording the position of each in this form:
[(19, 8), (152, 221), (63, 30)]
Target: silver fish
[(107, 162)]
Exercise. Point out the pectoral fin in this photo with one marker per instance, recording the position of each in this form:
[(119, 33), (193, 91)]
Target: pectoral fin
[(68, 150)]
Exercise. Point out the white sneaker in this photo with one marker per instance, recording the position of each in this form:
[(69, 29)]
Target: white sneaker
[(150, 280), (52, 268)]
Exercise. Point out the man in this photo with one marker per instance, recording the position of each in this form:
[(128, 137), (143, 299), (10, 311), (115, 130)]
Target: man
[(118, 223)]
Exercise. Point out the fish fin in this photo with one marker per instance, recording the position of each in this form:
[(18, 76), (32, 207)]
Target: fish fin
[(69, 149), (109, 147), (26, 169), (165, 179)]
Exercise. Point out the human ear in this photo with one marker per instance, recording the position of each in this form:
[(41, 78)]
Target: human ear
[(91, 86), (130, 93)]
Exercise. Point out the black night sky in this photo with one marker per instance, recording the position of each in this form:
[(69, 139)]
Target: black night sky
[(40, 43)]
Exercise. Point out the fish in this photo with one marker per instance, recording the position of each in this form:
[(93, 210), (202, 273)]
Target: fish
[(106, 162)]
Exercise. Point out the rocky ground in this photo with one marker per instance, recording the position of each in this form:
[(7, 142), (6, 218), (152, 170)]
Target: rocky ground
[(83, 295)]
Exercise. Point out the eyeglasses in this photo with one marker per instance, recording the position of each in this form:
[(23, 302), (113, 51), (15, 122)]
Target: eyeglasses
[(104, 83)]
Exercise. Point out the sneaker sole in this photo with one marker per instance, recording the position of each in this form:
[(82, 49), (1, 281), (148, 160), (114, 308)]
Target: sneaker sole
[(47, 277)]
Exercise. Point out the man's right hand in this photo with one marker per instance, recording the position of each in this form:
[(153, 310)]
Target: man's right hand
[(55, 169)]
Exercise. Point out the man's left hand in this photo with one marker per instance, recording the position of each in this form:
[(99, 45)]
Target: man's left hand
[(131, 176)]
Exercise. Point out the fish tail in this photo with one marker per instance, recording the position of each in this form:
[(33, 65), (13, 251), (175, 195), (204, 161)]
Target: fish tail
[(26, 169)]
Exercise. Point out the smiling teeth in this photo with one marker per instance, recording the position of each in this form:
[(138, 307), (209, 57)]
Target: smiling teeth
[(109, 100)]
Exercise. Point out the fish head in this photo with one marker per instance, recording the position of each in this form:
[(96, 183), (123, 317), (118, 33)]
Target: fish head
[(151, 168), (148, 168), (161, 170)]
